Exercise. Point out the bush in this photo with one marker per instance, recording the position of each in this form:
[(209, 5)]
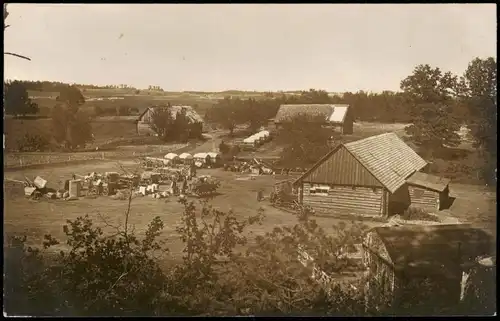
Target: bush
[(224, 148), (418, 214), (32, 143), (120, 275)]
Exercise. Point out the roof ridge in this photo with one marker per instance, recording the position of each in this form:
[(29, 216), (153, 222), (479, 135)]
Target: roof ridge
[(373, 137)]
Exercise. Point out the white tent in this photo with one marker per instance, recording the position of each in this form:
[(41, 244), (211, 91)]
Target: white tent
[(171, 156), (266, 133), (213, 155), (250, 140), (201, 156), (185, 156)]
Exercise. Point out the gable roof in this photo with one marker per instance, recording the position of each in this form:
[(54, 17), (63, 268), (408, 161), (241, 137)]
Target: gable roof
[(432, 182), (433, 247), (192, 115), (385, 156), (339, 113), (330, 112), (388, 158)]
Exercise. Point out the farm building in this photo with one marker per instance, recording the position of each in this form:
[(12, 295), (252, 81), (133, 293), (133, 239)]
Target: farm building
[(145, 119), (428, 191), (339, 117), (418, 264), (367, 177)]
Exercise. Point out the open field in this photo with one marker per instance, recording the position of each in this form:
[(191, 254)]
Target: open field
[(36, 218), (110, 99), (122, 152)]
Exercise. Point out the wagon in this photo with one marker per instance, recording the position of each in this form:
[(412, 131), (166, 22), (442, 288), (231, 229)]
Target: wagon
[(215, 159), (201, 159), (172, 158), (149, 177), (186, 158), (203, 186), (105, 185)]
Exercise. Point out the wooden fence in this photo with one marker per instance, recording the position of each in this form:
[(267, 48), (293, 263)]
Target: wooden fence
[(21, 160)]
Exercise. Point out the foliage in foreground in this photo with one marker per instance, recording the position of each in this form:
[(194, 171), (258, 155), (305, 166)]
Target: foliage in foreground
[(121, 274), (98, 274)]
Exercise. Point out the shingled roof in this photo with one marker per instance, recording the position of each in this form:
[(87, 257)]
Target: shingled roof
[(385, 156), (333, 113), (432, 182), (437, 248), (191, 114), (388, 158)]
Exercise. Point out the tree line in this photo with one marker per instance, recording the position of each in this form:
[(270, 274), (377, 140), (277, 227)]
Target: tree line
[(435, 103)]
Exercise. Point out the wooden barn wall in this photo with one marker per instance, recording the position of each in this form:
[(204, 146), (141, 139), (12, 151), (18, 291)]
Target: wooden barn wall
[(423, 198), (341, 168), (365, 201), (348, 126), (382, 281), (144, 128)]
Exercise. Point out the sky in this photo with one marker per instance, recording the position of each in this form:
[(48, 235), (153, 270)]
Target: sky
[(264, 47)]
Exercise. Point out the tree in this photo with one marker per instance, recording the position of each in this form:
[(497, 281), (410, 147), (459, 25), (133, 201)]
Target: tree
[(431, 96), (228, 113), (480, 95), (182, 126), (17, 101), (70, 125), (254, 113), (305, 140), (162, 122)]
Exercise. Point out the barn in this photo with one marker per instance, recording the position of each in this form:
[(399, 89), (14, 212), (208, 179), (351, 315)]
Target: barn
[(366, 177), (337, 116), (428, 192), (415, 264), (145, 119)]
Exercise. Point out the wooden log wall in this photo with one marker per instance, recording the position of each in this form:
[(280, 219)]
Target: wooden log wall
[(424, 198), (346, 200)]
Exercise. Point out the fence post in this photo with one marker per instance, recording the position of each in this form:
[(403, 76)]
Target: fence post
[(21, 161), (102, 155)]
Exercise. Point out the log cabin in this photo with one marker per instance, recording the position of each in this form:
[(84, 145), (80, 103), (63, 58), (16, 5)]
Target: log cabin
[(428, 192), (339, 117), (416, 265), (365, 177)]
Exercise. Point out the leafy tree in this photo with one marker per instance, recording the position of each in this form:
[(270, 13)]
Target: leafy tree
[(228, 113), (431, 97), (71, 96), (70, 125), (255, 114), (162, 122), (17, 101), (305, 141), (182, 126), (480, 95)]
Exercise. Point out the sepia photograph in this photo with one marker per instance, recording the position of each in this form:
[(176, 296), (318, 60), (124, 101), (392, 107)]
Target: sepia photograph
[(249, 160)]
